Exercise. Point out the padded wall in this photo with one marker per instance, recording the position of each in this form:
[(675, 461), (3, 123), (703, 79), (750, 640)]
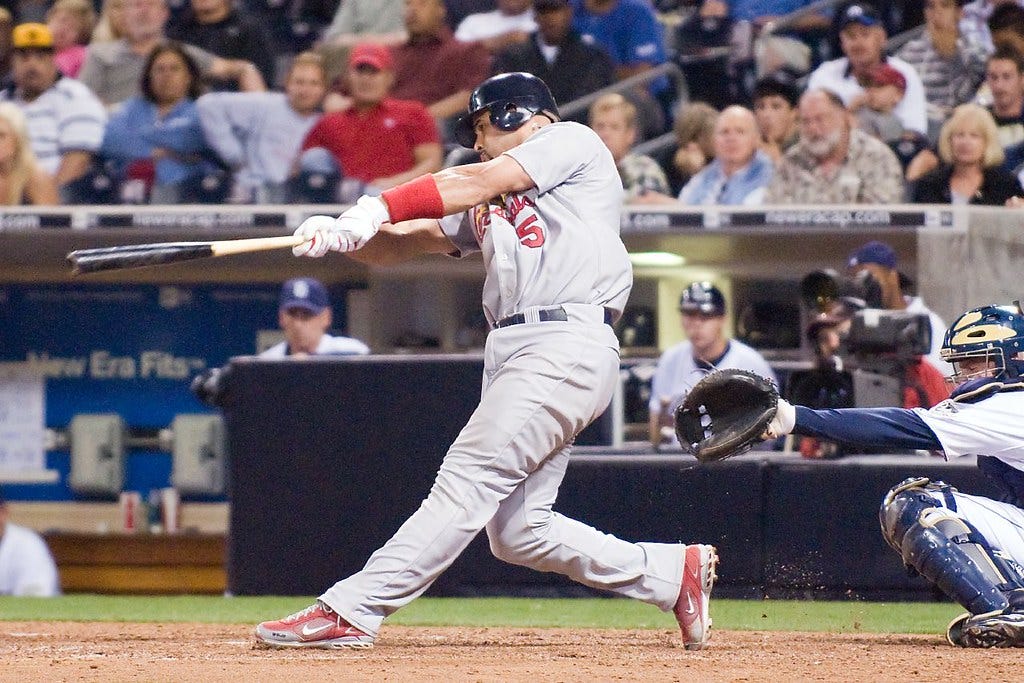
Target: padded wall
[(329, 456)]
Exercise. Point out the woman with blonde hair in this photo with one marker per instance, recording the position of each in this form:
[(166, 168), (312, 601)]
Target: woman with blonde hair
[(21, 179), (110, 26), (71, 23), (971, 171)]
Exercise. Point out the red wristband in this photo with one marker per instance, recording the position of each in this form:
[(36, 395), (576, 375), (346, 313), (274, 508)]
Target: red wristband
[(418, 198)]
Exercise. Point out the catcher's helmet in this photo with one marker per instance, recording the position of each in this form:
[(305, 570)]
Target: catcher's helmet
[(702, 297), (511, 98), (995, 333)]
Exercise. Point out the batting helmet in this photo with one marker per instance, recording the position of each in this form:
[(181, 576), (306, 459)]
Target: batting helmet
[(993, 333), (511, 98), (702, 297)]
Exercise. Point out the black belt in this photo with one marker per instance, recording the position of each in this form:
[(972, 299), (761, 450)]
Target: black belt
[(546, 315)]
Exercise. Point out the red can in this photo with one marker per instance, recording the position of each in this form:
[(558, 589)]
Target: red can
[(131, 509)]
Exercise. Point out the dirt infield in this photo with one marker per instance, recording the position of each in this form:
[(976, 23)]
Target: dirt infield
[(198, 653)]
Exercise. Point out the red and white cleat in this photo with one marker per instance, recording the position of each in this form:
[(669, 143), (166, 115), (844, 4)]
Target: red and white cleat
[(691, 610), (316, 626)]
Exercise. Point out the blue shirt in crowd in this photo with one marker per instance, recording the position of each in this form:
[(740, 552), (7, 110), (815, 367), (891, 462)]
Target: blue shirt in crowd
[(745, 187), (630, 32), (137, 129)]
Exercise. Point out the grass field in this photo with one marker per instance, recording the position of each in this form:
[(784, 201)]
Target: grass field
[(741, 615)]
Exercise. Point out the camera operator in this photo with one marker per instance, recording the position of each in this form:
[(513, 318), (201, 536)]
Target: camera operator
[(830, 385), (874, 344), (878, 260), (827, 385)]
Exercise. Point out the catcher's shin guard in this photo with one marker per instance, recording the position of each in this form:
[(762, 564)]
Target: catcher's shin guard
[(946, 550)]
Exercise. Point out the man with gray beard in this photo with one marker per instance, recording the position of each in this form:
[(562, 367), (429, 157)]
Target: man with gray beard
[(834, 163)]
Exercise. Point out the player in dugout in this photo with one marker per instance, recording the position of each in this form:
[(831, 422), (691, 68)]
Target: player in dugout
[(543, 206), (305, 315), (970, 546)]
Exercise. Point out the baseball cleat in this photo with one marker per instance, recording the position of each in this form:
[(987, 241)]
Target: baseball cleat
[(1004, 629), (955, 630), (691, 609), (316, 626)]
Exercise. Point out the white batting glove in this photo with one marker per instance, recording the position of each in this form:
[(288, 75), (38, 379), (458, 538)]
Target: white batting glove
[(783, 422), (348, 232)]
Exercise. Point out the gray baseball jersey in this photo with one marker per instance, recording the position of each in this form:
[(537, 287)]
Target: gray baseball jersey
[(558, 242), (556, 245)]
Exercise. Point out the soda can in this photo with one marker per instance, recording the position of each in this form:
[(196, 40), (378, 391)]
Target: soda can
[(131, 511), (170, 510)]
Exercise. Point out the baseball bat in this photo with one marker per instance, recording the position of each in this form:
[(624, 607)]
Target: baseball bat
[(139, 255)]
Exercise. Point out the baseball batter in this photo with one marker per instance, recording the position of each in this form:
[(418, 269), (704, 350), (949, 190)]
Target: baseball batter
[(969, 546), (543, 206)]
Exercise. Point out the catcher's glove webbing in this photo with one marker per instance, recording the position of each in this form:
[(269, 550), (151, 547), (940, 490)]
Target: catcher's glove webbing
[(725, 414)]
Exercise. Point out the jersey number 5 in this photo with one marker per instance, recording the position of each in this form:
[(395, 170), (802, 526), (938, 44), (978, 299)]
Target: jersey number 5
[(530, 233)]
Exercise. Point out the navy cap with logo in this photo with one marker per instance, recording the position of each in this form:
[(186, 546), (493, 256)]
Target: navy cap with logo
[(873, 252), (858, 13), (702, 297), (306, 293)]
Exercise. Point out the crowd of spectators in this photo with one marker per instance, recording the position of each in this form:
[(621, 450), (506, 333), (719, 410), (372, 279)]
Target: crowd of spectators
[(254, 101)]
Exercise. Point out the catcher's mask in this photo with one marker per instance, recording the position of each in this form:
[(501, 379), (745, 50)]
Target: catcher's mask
[(511, 99), (992, 333)]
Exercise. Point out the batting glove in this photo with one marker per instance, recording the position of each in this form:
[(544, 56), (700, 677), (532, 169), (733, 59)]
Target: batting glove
[(348, 232), (784, 420)]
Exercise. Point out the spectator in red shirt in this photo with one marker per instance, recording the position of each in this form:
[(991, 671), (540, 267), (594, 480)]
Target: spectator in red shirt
[(378, 140), (433, 67)]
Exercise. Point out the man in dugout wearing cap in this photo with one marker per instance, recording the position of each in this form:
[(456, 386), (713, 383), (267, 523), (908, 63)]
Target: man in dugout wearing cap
[(304, 314), (702, 312)]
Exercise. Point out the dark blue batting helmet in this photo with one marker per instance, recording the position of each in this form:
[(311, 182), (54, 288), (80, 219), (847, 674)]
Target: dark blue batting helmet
[(702, 297), (511, 99)]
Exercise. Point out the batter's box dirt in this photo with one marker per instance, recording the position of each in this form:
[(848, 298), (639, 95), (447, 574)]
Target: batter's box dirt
[(201, 653)]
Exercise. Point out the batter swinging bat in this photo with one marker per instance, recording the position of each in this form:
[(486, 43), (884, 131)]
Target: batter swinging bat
[(139, 255)]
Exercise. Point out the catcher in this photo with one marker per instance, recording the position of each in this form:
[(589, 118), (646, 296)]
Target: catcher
[(969, 546)]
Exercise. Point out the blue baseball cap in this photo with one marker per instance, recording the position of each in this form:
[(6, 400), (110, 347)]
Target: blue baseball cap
[(873, 252), (858, 13), (306, 293)]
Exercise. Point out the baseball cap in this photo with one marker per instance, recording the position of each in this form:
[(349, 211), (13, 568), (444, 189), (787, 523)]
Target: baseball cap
[(306, 293), (873, 252), (371, 54), (858, 13), (886, 74), (32, 36), (702, 297)]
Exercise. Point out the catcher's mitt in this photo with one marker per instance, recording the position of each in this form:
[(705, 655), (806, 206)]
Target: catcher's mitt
[(725, 414)]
